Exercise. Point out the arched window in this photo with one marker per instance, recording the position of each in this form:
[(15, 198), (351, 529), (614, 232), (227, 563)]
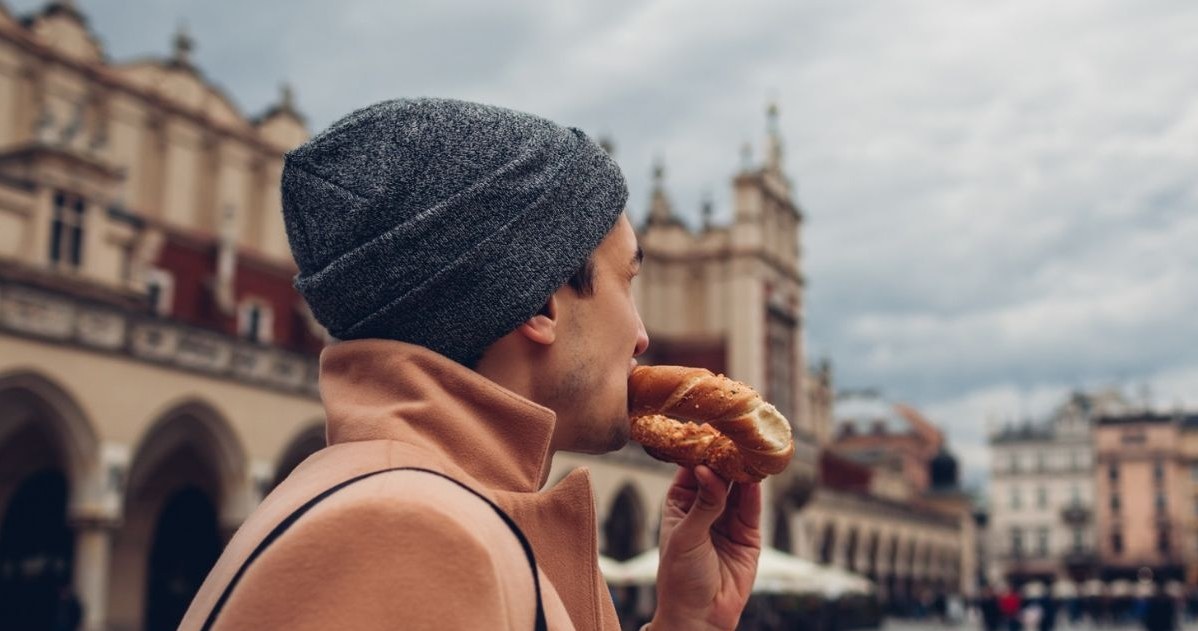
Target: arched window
[(623, 526)]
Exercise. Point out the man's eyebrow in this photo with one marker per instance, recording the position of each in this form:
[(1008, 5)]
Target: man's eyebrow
[(637, 258)]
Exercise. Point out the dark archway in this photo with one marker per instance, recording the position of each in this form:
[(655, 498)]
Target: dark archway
[(33, 401), (36, 552), (622, 540), (871, 556), (623, 526), (186, 544), (850, 557), (893, 582), (174, 465), (827, 544), (782, 539)]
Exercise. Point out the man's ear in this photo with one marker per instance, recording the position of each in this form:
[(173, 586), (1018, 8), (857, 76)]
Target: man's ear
[(542, 327)]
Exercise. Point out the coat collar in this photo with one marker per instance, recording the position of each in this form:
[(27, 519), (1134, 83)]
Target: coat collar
[(383, 389)]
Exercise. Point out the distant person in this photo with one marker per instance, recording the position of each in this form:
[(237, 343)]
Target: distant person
[(940, 606), (988, 609), (1011, 607), (1031, 616), (1048, 613), (1160, 612), (954, 611)]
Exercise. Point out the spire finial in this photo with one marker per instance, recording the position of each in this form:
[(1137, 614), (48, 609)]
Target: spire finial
[(287, 95), (184, 44), (706, 210), (773, 138), (661, 211)]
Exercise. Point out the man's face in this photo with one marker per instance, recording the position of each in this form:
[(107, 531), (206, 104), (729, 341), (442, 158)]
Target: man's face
[(599, 335)]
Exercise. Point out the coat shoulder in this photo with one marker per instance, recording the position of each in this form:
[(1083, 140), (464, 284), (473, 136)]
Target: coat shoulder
[(401, 546)]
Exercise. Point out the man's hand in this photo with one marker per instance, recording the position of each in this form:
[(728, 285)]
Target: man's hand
[(710, 542)]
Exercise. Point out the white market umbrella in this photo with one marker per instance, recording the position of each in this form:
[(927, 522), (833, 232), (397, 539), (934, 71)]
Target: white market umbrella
[(782, 573), (1064, 589), (777, 572), (612, 570), (1120, 587), (838, 582), (640, 569), (1034, 589)]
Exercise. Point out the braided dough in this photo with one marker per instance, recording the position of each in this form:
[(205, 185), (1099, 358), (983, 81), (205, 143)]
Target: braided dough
[(691, 416)]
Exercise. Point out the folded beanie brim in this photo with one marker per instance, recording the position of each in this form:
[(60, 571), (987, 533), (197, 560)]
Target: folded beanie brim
[(459, 275)]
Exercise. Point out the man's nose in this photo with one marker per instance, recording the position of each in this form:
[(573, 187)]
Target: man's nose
[(642, 338)]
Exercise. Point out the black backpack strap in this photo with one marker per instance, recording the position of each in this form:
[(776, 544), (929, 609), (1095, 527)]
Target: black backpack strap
[(299, 512)]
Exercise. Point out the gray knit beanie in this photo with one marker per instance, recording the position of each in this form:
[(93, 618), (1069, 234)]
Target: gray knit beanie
[(443, 223)]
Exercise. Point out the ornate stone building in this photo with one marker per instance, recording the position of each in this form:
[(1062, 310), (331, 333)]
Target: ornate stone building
[(157, 371)]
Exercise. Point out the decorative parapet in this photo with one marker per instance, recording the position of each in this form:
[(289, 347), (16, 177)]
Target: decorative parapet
[(43, 314)]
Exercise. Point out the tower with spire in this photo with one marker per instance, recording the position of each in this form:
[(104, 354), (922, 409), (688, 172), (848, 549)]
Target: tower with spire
[(765, 210), (728, 297)]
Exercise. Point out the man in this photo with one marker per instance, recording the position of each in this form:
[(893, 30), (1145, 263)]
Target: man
[(988, 608), (477, 266), (1160, 610), (1011, 607)]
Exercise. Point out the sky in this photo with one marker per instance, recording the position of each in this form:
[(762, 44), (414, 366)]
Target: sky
[(1000, 199)]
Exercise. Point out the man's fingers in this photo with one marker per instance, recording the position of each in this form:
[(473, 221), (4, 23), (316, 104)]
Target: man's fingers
[(706, 509), (743, 516), (681, 494), (685, 478)]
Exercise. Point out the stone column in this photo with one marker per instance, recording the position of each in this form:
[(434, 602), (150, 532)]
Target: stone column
[(95, 517), (93, 551)]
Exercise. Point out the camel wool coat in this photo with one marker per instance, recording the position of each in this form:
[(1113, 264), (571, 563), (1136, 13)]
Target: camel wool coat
[(408, 549)]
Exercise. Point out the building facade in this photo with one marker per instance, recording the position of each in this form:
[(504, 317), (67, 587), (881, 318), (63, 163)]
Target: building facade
[(1042, 496), (912, 550), (1145, 495), (1101, 491), (889, 504), (1189, 500)]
